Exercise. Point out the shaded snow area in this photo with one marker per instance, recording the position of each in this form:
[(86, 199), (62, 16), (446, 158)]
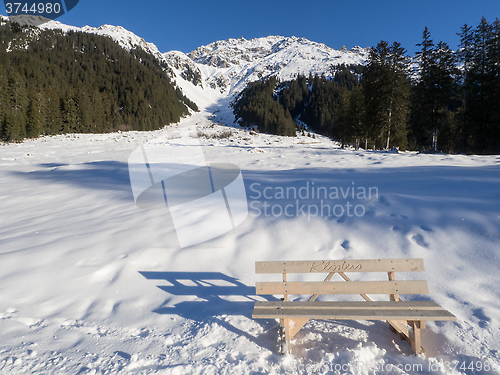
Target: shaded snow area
[(92, 284)]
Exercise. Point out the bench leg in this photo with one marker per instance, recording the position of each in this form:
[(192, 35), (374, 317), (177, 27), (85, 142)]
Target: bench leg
[(284, 337), (287, 335), (400, 328), (416, 344), (412, 337), (281, 341)]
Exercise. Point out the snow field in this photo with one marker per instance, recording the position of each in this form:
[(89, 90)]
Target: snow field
[(90, 283)]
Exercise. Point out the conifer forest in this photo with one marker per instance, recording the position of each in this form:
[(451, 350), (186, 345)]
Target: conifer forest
[(80, 83), (438, 100)]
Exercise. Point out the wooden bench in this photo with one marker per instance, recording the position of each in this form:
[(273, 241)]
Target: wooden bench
[(406, 318)]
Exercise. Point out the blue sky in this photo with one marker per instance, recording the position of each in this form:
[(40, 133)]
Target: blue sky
[(188, 24)]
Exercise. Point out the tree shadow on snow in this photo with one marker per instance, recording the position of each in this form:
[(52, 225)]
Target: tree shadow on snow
[(97, 175), (218, 295)]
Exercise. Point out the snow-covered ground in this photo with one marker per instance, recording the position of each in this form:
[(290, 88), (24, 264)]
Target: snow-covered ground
[(91, 284)]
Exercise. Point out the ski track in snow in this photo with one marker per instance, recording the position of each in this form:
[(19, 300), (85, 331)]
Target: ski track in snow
[(91, 284)]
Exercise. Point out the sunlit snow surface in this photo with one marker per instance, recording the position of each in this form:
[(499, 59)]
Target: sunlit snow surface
[(90, 283)]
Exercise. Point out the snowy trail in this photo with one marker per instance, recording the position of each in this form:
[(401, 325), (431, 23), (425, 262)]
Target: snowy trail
[(91, 284)]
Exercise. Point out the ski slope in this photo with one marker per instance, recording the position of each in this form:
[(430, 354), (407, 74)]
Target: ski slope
[(91, 284)]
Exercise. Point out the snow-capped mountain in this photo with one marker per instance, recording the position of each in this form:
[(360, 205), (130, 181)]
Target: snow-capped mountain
[(120, 35), (231, 64), (224, 68), (233, 52)]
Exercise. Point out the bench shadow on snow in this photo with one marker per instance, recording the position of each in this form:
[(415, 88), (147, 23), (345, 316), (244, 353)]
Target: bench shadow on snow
[(218, 295), (214, 291)]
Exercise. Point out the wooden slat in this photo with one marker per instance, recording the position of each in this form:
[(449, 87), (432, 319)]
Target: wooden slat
[(341, 287), (327, 278), (350, 305), (339, 314), (349, 265)]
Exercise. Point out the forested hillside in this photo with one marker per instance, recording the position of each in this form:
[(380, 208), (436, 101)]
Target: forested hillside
[(52, 82), (438, 100)]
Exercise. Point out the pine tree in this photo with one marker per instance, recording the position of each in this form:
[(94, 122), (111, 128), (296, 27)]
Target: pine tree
[(386, 91), (480, 86), (51, 111), (4, 99), (432, 93), (464, 56), (356, 116), (15, 129), (33, 119)]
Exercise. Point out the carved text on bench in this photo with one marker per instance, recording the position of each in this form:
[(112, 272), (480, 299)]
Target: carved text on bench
[(333, 267)]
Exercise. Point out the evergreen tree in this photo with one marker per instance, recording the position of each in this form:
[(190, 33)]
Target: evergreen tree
[(386, 92), (4, 98), (15, 128), (480, 95), (464, 56), (433, 91), (33, 119), (354, 117)]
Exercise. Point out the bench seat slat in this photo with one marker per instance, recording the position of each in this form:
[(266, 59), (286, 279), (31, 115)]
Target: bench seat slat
[(350, 305), (356, 314), (349, 265), (342, 287)]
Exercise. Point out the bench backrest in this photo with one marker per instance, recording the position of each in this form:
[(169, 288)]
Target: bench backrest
[(392, 287)]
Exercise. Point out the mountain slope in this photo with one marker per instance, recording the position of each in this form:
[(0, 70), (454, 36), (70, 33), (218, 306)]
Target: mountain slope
[(230, 65), (212, 75), (52, 83)]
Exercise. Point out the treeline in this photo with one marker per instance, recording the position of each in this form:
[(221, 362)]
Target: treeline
[(438, 100), (53, 83)]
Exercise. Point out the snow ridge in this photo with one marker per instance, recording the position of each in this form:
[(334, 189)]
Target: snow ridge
[(236, 62)]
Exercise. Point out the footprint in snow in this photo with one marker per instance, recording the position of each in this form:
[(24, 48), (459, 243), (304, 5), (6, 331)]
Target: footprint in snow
[(399, 216), (123, 355), (341, 220), (346, 245), (483, 319), (426, 228), (419, 239), (383, 201)]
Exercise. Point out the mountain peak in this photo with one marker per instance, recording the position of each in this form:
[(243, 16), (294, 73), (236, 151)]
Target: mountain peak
[(234, 63), (231, 52)]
